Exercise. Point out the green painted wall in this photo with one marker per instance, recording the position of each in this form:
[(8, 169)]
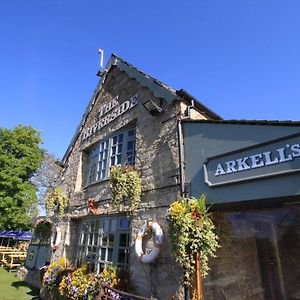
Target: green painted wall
[(204, 140)]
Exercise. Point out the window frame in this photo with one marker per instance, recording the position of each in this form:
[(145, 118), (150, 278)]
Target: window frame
[(95, 161), (91, 242)]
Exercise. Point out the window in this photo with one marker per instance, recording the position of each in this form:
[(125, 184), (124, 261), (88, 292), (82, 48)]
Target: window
[(259, 256), (117, 149), (103, 240)]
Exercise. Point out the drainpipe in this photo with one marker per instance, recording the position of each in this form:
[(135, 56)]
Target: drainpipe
[(187, 294), (181, 156)]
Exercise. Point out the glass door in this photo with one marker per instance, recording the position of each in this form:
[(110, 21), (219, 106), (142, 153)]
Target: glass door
[(259, 256)]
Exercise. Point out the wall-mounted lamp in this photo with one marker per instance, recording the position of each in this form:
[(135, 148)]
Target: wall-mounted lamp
[(152, 108)]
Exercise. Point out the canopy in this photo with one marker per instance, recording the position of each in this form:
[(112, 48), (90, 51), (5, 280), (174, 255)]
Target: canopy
[(25, 236), (17, 235)]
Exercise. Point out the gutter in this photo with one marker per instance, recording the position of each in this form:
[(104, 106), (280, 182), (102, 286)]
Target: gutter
[(204, 109)]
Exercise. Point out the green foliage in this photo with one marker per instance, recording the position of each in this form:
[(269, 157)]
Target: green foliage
[(20, 157), (125, 184), (192, 232), (43, 231), (56, 201)]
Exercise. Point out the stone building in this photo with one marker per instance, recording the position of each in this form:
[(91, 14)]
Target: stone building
[(132, 118), (248, 170)]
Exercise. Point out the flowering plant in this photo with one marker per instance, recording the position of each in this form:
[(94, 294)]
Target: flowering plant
[(113, 282), (125, 184), (77, 285), (109, 276), (54, 273), (192, 232)]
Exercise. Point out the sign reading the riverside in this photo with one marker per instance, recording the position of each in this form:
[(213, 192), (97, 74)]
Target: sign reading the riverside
[(272, 158), (108, 113)]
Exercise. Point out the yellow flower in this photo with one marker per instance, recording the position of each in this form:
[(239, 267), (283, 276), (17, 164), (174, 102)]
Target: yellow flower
[(177, 210)]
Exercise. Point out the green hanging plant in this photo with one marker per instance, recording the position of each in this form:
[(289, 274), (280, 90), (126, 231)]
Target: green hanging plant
[(125, 184), (192, 232), (43, 231), (55, 200)]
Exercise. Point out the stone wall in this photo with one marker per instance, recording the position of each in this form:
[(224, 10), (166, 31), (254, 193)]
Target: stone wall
[(157, 159)]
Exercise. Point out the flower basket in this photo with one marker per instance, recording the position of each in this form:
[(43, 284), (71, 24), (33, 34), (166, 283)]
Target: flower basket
[(192, 232), (125, 185)]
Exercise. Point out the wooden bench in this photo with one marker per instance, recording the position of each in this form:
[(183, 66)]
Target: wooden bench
[(4, 253), (15, 260)]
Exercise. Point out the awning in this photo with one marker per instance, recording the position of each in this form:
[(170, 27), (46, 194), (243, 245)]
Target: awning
[(17, 235), (25, 236)]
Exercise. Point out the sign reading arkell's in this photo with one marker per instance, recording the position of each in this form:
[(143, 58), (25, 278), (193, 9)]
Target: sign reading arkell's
[(108, 113), (263, 160)]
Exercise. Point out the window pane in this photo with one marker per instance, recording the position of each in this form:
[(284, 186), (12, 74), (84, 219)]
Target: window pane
[(260, 247), (106, 225), (92, 226), (130, 145), (113, 150), (131, 132), (104, 240), (110, 255), (113, 225), (124, 223), (96, 239), (90, 239), (111, 239), (119, 159), (121, 256), (123, 240), (103, 252)]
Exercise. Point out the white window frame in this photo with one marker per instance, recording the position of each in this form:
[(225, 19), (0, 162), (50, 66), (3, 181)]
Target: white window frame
[(107, 153)]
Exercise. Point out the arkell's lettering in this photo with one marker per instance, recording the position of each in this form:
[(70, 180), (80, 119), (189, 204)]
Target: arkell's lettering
[(109, 112), (280, 155)]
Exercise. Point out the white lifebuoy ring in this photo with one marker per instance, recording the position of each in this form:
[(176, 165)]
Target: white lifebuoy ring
[(157, 242), (56, 237)]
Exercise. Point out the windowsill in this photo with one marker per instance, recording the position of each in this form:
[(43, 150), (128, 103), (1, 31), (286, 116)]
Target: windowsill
[(95, 183)]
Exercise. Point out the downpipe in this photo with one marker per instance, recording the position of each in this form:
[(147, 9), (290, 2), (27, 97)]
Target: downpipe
[(187, 290)]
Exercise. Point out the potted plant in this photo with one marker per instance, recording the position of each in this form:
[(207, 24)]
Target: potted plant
[(56, 200), (125, 185), (192, 233)]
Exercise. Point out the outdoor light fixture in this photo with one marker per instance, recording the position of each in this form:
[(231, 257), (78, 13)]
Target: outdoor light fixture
[(152, 108)]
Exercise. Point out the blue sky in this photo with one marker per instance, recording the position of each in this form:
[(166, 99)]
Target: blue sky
[(241, 58)]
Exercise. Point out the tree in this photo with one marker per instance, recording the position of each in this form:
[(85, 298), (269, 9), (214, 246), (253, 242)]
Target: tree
[(20, 157), (47, 177)]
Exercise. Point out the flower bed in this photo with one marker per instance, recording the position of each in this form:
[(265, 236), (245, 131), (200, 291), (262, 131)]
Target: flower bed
[(62, 282)]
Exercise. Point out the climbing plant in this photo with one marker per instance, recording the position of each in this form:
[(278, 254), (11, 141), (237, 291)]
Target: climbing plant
[(55, 200), (125, 184), (192, 232)]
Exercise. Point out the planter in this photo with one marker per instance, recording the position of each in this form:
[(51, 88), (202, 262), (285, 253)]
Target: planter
[(52, 294)]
